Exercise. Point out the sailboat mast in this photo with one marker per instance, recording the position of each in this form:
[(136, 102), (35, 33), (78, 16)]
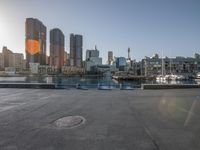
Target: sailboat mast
[(170, 65), (162, 65)]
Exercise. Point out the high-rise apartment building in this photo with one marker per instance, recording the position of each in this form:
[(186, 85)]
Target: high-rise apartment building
[(10, 59), (110, 57), (57, 44), (76, 50), (35, 41)]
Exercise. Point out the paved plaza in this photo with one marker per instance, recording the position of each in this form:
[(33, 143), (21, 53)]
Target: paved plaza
[(113, 120)]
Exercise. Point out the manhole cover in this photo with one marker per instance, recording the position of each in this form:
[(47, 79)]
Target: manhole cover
[(70, 122)]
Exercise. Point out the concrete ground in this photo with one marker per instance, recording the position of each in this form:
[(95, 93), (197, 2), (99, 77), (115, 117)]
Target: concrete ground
[(116, 120)]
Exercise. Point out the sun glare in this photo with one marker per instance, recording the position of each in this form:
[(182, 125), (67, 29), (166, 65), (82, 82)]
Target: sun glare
[(2, 28), (1, 32), (4, 34)]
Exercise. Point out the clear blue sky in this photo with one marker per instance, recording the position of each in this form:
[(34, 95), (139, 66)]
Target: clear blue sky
[(146, 26)]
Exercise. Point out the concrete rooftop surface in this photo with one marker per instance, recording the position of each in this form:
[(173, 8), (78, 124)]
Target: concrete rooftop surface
[(115, 120)]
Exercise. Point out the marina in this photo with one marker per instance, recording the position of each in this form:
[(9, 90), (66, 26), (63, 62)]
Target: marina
[(94, 82)]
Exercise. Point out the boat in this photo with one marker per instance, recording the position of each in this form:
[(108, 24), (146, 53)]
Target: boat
[(160, 78), (198, 75), (171, 76), (174, 77), (180, 77)]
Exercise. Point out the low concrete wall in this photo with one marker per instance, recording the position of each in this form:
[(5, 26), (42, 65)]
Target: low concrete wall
[(168, 86), (28, 85)]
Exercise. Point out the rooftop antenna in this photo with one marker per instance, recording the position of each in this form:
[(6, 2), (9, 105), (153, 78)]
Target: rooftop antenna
[(95, 47), (129, 51)]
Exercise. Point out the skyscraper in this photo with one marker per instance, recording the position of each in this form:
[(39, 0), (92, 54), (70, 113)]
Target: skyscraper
[(35, 41), (110, 57), (76, 50), (57, 44)]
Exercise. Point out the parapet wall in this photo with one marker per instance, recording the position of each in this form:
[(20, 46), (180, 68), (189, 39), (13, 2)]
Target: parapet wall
[(168, 86), (28, 85)]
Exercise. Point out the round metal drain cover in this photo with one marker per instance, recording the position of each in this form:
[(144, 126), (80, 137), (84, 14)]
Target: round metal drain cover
[(69, 122)]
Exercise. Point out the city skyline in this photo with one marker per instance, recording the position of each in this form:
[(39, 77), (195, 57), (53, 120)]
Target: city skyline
[(147, 28)]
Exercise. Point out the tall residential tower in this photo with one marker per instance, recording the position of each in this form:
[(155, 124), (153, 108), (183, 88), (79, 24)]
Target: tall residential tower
[(35, 41), (76, 50), (57, 44), (110, 57)]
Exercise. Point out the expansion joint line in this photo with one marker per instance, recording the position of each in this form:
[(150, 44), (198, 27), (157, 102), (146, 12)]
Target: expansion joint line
[(146, 129)]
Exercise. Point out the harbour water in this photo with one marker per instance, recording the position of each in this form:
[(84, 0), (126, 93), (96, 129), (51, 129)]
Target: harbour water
[(88, 81)]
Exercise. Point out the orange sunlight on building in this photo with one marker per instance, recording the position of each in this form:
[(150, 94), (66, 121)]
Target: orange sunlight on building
[(32, 47)]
